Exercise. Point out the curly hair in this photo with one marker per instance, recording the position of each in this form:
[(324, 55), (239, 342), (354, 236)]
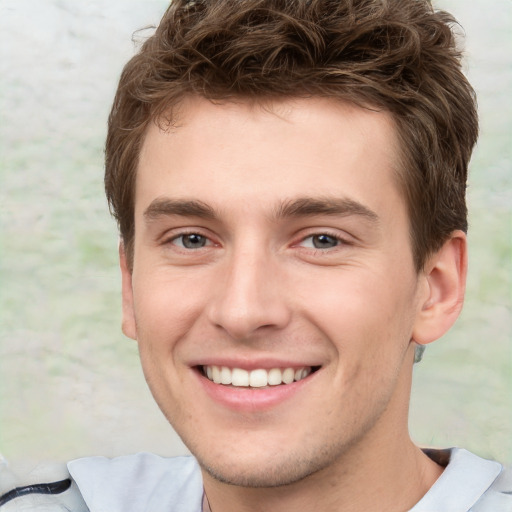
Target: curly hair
[(399, 56)]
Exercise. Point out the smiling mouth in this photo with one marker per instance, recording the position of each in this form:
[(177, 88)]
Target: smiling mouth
[(258, 378)]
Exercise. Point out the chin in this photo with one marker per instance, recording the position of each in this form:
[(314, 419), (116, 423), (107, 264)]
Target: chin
[(278, 470)]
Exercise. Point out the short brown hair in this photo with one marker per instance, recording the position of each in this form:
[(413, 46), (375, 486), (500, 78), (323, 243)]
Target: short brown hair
[(399, 56)]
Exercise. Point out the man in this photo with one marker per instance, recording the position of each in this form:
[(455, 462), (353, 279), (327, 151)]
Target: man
[(289, 182)]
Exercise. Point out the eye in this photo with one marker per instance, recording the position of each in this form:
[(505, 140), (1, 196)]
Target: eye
[(321, 241), (191, 241)]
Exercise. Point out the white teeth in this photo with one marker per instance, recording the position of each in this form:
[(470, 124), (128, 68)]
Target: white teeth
[(258, 378), (275, 377), (216, 375), (239, 377), (225, 375), (288, 375)]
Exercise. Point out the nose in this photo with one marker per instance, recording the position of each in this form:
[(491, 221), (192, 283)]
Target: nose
[(251, 297)]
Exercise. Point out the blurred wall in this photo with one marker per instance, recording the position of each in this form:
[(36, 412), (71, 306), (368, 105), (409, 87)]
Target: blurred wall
[(70, 383)]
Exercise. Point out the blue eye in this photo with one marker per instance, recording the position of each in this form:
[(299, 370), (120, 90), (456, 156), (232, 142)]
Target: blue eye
[(322, 241), (191, 241)]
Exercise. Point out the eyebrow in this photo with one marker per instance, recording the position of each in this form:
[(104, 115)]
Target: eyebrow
[(163, 207), (300, 207), (309, 207)]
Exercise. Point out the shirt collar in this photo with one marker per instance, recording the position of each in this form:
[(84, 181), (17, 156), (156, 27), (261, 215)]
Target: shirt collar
[(462, 483)]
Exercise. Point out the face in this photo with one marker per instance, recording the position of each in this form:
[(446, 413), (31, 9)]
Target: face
[(273, 293)]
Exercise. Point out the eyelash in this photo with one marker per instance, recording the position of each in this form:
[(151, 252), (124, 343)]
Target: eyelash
[(336, 238), (342, 244), (209, 242), (182, 235)]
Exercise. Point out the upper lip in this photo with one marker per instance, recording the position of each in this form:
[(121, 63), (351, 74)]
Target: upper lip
[(254, 364)]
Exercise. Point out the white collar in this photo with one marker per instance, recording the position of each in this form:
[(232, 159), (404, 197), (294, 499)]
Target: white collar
[(462, 483)]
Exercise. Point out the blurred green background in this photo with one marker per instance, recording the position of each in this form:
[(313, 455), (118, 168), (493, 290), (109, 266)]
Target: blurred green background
[(70, 383)]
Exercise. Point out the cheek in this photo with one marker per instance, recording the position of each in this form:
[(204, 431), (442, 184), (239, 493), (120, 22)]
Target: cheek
[(164, 314), (360, 310), (166, 306)]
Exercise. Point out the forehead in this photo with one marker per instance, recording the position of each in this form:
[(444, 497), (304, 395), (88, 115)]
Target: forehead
[(252, 155)]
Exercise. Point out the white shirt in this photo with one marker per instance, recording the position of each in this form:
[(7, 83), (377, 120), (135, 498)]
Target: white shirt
[(149, 483)]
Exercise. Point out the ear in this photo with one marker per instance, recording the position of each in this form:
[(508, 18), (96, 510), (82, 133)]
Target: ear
[(445, 284), (128, 324)]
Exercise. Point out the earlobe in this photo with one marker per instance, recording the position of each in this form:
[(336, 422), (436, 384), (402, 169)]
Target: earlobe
[(128, 324), (445, 284)]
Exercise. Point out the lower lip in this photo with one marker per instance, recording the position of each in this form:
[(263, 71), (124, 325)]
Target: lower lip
[(247, 399)]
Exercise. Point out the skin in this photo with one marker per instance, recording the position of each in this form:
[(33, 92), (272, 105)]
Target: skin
[(256, 291)]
